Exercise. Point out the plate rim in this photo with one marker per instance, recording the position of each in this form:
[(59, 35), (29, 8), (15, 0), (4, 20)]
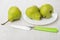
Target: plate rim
[(40, 24)]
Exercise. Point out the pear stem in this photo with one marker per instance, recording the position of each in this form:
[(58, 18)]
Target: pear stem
[(5, 22)]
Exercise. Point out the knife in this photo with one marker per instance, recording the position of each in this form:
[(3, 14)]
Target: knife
[(39, 28)]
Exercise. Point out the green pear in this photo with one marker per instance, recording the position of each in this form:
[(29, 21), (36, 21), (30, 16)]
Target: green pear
[(36, 16), (33, 12), (46, 10), (14, 14)]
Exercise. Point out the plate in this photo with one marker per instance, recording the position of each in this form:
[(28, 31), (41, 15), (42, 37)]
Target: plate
[(41, 22)]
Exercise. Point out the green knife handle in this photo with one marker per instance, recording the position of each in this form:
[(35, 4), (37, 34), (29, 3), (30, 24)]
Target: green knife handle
[(41, 28)]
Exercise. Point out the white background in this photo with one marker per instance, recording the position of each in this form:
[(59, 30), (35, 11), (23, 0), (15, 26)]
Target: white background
[(9, 33)]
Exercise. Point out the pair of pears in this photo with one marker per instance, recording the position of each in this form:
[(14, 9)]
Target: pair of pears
[(35, 13)]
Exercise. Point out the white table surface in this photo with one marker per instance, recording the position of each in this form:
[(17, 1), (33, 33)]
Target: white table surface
[(9, 33)]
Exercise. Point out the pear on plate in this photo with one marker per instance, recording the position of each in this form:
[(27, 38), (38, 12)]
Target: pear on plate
[(14, 14), (46, 10), (36, 16), (33, 12)]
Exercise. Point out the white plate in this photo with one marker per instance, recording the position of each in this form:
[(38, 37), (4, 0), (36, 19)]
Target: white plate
[(41, 22)]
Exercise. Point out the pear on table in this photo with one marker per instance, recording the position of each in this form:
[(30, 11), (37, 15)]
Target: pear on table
[(46, 10), (33, 13), (14, 14)]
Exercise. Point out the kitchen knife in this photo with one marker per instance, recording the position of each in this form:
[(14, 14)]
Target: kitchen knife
[(40, 28)]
